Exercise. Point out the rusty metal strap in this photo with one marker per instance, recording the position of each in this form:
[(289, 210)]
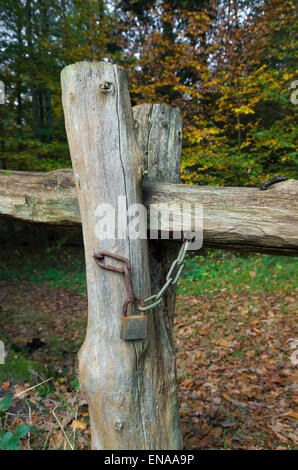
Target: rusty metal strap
[(125, 270), (99, 258), (153, 300)]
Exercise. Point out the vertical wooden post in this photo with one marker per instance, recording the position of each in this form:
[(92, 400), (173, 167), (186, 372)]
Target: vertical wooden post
[(131, 394), (159, 133)]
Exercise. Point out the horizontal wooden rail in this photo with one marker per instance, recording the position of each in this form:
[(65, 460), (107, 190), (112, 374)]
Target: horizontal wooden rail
[(241, 218)]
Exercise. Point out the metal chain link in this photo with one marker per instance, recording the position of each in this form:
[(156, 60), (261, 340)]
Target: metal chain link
[(170, 279), (153, 300)]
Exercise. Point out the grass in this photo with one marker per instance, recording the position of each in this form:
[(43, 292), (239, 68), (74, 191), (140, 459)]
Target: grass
[(255, 273), (23, 369), (64, 267), (57, 266)]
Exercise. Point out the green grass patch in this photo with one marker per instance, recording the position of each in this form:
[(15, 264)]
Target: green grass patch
[(57, 266), (20, 368), (254, 274), (64, 267)]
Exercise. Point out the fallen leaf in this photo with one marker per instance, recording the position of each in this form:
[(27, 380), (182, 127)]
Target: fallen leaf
[(215, 433), (188, 383), (256, 331), (276, 379), (223, 342), (20, 393), (5, 385), (78, 425)]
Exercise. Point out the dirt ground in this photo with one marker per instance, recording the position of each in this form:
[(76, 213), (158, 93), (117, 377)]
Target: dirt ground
[(235, 365)]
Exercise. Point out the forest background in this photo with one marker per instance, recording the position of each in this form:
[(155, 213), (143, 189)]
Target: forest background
[(229, 65)]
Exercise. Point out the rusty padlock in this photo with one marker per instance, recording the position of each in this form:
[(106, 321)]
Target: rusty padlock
[(133, 327)]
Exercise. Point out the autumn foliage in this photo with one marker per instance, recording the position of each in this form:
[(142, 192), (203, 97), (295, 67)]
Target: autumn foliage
[(228, 65)]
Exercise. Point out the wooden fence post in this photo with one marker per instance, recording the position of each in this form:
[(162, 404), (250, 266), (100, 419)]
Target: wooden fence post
[(159, 133), (131, 394)]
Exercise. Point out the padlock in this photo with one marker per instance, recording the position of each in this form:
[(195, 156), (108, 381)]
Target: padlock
[(133, 327)]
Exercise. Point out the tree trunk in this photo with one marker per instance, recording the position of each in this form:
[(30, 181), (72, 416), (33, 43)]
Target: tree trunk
[(128, 391), (19, 73), (48, 115), (31, 59)]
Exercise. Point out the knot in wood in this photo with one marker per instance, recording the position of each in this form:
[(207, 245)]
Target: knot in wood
[(106, 87), (118, 425)]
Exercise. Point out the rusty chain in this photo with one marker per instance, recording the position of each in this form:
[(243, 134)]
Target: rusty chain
[(153, 300)]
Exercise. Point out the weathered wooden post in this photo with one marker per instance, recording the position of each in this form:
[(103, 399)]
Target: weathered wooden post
[(159, 133), (130, 386)]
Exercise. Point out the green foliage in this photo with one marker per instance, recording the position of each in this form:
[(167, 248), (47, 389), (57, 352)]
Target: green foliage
[(62, 266), (22, 430), (9, 440), (18, 367), (5, 402), (207, 275), (40, 39), (76, 385), (227, 65), (59, 266)]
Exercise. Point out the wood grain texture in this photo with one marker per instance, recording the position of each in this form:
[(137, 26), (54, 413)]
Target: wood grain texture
[(159, 133), (48, 199), (243, 218), (124, 382), (239, 216)]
